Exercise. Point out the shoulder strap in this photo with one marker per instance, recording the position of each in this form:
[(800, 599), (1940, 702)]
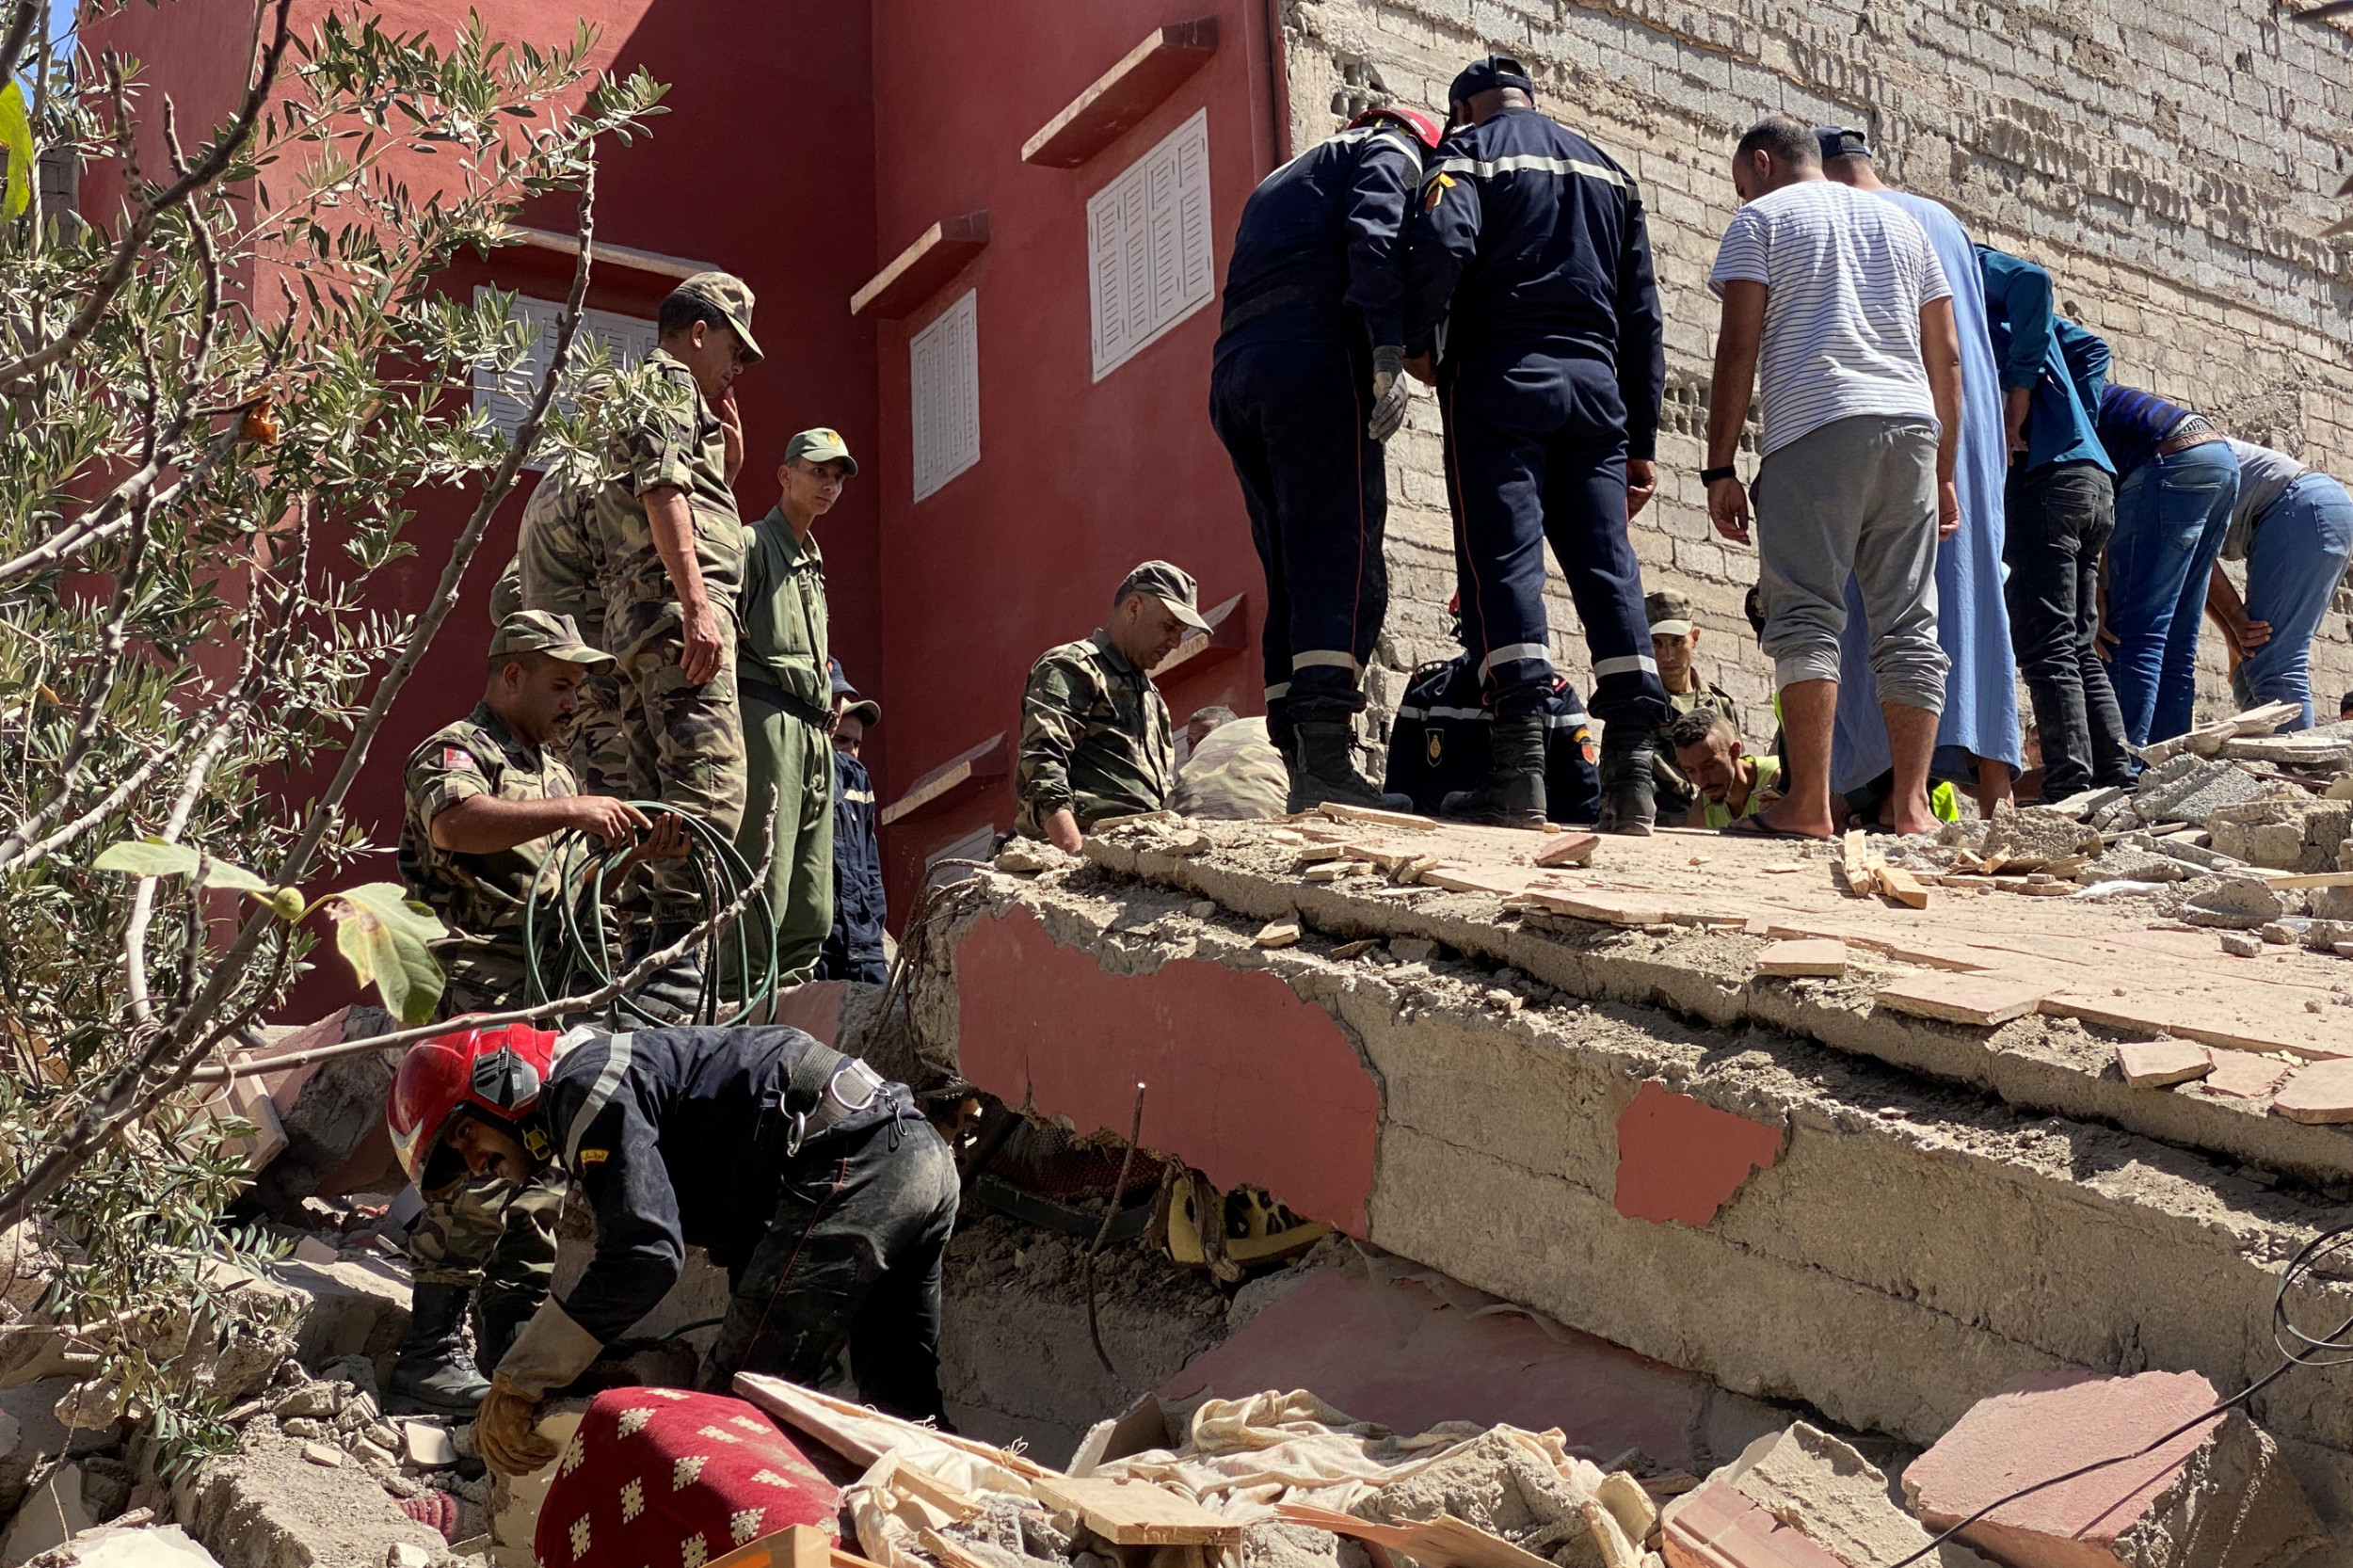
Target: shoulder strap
[(600, 1093)]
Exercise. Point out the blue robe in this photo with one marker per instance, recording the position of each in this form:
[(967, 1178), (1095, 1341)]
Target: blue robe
[(1981, 689)]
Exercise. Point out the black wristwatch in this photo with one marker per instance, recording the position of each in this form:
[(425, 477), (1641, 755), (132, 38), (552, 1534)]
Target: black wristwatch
[(1709, 475)]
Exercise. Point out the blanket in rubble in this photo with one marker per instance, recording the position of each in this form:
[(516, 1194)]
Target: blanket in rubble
[(663, 1477)]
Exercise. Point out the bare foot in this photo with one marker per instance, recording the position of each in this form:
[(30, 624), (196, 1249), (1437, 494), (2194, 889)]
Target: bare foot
[(1782, 816)]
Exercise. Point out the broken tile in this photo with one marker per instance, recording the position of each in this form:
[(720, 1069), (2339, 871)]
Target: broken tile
[(1817, 956), (2319, 1092), (1984, 997), (1799, 1498), (429, 1447), (1278, 934), (2219, 1495), (1568, 849), (2243, 1073), (2154, 1064), (320, 1453)]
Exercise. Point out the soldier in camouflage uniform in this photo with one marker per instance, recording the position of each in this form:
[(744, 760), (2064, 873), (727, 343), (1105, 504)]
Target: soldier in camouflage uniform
[(485, 800), (1674, 636), (559, 567), (1094, 731), (673, 545)]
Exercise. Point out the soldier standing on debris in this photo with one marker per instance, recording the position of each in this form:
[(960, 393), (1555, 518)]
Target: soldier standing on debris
[(816, 1184), (1095, 738), (1309, 383), (781, 671), (673, 548), (486, 799), (1529, 256)]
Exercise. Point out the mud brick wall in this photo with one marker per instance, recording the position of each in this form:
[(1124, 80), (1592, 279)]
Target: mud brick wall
[(2169, 161)]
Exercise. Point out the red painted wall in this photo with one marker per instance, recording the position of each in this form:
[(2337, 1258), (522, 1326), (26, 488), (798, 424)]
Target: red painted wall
[(1246, 1081), (1077, 480)]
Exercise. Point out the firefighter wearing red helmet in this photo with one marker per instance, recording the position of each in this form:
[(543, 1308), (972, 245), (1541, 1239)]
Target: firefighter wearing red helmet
[(1307, 384), (812, 1180)]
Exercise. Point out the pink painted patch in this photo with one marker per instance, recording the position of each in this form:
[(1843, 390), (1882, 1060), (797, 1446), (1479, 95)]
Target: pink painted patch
[(1682, 1159), (814, 1008), (1248, 1082)]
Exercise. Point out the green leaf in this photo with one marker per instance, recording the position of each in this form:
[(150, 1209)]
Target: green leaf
[(154, 857), (16, 135), (384, 938)]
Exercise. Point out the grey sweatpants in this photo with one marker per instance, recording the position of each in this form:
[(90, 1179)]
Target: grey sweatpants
[(1857, 496)]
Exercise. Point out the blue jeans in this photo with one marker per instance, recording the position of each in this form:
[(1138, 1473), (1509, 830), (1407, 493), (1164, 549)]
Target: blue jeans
[(2171, 516), (2293, 567)]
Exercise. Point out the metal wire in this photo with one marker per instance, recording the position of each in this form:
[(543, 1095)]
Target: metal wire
[(739, 963)]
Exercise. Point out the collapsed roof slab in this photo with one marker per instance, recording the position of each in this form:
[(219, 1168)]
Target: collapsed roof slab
[(1626, 1145)]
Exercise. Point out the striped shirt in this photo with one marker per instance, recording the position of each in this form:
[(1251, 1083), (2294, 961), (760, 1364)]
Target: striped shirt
[(2132, 423), (1846, 275)]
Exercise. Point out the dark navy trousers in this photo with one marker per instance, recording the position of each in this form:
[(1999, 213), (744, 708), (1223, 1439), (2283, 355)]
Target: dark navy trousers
[(1535, 451), (1292, 417)]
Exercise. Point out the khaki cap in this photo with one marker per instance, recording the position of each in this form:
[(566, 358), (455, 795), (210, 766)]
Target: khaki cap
[(1668, 614), (726, 293), (822, 445), (1172, 585), (540, 632)]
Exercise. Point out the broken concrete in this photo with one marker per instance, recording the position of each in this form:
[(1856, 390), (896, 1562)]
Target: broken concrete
[(1807, 1482), (267, 1507), (2219, 1495), (1872, 1269)]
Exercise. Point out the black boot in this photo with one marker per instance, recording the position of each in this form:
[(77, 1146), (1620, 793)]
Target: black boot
[(1514, 791), (434, 1375), (1627, 804), (1325, 769)]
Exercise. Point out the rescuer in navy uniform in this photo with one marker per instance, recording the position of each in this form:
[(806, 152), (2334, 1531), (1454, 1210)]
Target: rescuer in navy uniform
[(1309, 381), (1528, 262), (1438, 742)]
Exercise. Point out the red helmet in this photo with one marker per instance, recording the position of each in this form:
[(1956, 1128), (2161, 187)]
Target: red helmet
[(495, 1073), (1421, 126)]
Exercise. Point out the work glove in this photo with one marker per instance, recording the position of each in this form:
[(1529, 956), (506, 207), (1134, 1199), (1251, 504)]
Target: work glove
[(1390, 391), (502, 1429)]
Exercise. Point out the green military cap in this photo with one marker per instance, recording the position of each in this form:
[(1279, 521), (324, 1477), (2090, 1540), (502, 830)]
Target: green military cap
[(822, 445), (538, 631), (1668, 614), (1172, 585), (724, 293)]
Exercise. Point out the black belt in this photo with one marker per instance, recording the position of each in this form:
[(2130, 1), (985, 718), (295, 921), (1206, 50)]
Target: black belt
[(1273, 299), (777, 697)]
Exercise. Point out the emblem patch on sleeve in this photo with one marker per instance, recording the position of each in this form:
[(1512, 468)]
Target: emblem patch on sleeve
[(457, 757)]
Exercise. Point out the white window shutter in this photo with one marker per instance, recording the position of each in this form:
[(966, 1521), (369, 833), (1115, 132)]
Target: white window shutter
[(1148, 245), (507, 398), (944, 387)]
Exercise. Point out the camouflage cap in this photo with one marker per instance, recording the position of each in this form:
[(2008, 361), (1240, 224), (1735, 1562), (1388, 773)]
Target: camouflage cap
[(822, 445), (538, 631), (724, 293), (1172, 585), (1668, 614)]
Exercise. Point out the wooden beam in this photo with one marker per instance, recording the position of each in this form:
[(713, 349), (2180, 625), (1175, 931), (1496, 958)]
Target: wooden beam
[(978, 765), (1117, 101), (626, 257), (1227, 626), (920, 271), (1136, 1512)]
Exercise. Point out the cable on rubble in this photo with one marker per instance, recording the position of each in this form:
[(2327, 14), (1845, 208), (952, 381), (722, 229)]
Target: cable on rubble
[(583, 944), (2296, 1349)]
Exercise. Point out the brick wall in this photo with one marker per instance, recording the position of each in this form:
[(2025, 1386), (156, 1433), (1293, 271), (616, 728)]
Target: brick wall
[(2169, 161)]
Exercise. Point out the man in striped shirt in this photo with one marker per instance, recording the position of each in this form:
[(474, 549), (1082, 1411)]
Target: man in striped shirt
[(1839, 298)]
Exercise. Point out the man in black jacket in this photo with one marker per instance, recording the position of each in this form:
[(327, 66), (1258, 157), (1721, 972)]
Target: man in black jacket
[(853, 949), (811, 1180), (1528, 264)]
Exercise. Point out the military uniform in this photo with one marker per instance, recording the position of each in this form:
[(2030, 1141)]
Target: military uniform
[(788, 716), (559, 567), (1673, 790), (481, 898), (684, 743), (1094, 737), (457, 1242)]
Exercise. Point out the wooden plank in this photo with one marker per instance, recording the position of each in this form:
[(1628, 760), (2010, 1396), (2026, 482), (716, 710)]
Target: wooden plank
[(1134, 1512), (2310, 879), (1444, 1542), (950, 1552), (1116, 101), (1815, 957), (1621, 908), (1984, 998), (945, 1495)]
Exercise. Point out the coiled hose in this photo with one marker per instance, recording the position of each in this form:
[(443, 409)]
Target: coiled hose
[(581, 955)]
